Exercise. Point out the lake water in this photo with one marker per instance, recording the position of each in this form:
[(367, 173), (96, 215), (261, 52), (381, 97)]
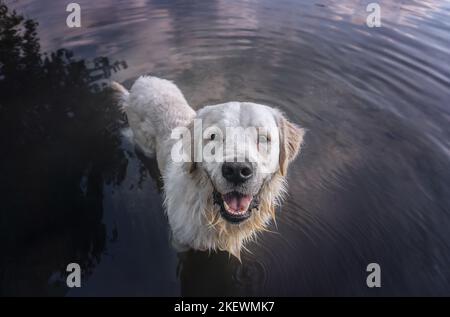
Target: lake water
[(371, 185)]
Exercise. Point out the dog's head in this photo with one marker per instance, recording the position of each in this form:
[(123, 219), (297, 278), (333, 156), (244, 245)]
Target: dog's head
[(241, 152)]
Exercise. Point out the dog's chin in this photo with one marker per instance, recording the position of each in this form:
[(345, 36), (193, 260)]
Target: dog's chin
[(235, 207)]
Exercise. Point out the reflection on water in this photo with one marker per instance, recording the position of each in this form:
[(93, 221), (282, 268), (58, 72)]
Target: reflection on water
[(59, 143), (371, 184)]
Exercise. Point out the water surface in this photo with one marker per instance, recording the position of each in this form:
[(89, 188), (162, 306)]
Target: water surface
[(371, 184)]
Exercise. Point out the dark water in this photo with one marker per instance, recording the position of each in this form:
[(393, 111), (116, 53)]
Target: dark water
[(371, 185)]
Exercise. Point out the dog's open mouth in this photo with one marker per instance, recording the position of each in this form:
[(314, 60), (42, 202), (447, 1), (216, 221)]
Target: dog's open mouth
[(235, 207)]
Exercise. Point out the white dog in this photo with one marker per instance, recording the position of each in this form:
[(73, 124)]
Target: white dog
[(214, 204)]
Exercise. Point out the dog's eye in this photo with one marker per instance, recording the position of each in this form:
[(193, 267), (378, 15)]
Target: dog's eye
[(213, 136)]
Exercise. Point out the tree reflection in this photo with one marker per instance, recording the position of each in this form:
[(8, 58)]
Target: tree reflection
[(60, 145)]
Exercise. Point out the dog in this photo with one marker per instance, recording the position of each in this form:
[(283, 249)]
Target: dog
[(212, 204)]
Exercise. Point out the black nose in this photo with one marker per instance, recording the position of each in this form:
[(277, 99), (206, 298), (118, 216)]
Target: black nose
[(237, 172)]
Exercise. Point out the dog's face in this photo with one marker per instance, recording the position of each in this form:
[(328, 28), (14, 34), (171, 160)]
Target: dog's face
[(246, 140), (245, 149)]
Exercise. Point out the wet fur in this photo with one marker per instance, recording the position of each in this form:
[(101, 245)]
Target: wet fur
[(156, 106)]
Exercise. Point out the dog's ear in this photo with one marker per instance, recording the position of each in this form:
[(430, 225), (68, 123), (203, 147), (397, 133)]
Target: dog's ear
[(291, 139)]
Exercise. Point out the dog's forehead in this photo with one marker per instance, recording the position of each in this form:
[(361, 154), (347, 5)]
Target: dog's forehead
[(238, 114)]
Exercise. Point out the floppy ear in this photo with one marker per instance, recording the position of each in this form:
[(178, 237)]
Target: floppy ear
[(291, 139)]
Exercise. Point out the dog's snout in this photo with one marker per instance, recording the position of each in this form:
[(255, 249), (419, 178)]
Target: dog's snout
[(237, 172)]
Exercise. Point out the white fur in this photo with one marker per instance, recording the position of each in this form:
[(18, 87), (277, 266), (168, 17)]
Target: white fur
[(154, 107)]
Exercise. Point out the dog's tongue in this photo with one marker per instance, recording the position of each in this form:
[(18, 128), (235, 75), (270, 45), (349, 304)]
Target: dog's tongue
[(237, 202)]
